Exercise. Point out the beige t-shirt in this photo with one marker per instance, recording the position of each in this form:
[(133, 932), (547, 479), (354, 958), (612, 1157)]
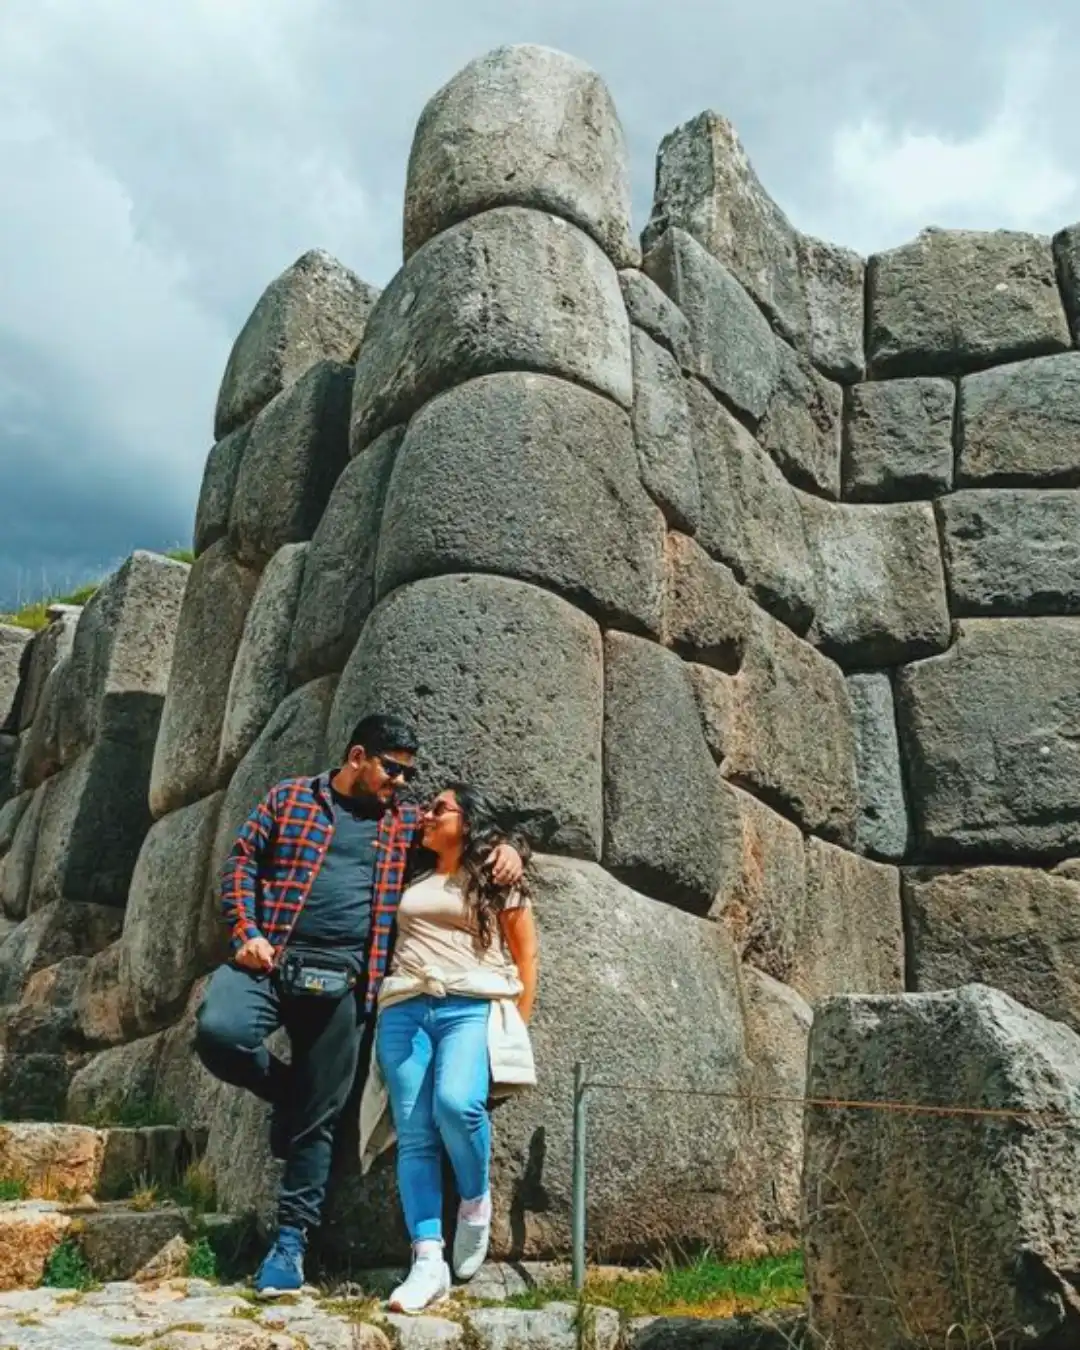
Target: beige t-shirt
[(435, 927)]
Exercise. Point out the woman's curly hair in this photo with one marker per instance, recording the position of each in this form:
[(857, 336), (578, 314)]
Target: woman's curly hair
[(482, 830)]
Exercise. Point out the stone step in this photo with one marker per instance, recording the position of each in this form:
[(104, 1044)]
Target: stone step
[(115, 1240), (55, 1161)]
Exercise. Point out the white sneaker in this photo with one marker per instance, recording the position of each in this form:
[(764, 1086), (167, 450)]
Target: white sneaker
[(471, 1238), (427, 1283)]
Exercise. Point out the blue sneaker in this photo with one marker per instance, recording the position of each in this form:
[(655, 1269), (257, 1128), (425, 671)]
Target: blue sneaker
[(282, 1270)]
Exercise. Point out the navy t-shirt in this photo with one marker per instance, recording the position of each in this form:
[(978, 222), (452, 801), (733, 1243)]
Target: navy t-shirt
[(336, 918)]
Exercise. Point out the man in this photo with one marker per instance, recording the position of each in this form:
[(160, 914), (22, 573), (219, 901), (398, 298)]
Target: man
[(309, 891)]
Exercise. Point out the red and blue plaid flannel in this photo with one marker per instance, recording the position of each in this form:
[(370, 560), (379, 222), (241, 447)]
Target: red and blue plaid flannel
[(267, 877)]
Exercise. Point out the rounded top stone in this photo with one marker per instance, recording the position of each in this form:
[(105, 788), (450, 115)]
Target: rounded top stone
[(522, 126)]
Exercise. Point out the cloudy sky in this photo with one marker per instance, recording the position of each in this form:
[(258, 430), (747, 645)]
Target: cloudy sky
[(161, 162)]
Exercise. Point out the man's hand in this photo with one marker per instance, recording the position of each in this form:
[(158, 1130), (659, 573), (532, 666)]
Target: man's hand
[(506, 865), (255, 955)]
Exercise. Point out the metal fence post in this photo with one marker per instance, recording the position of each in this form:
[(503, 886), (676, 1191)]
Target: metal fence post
[(578, 1210)]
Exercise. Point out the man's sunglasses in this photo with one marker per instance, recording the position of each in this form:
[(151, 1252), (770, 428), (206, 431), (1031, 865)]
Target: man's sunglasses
[(393, 769)]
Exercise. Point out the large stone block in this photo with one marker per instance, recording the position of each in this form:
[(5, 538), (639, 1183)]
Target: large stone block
[(664, 1171), (49, 647), (706, 185), (990, 737), (1019, 425), (9, 758), (791, 737), (218, 488), (802, 424), (17, 864), (880, 595), (763, 893), (750, 516), (260, 675), (216, 603), (504, 683), (732, 347), (849, 939), (952, 301), (298, 446), (13, 643), (1011, 551), (708, 617), (883, 830), (509, 289), (578, 519), (898, 439), (172, 928), (317, 310), (833, 280), (668, 822), (656, 314), (951, 1216), (665, 446), (94, 818), (338, 589), (101, 1005), (1067, 257), (292, 744), (522, 126), (1013, 928), (11, 814), (53, 934)]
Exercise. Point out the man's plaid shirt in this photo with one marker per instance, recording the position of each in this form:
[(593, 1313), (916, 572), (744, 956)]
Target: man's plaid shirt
[(267, 877)]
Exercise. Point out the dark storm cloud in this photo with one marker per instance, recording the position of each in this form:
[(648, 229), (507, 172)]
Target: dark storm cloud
[(160, 164)]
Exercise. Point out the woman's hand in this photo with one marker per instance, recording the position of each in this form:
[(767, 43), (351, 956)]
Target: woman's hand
[(506, 865)]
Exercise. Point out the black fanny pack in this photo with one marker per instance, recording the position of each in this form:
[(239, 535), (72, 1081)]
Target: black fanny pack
[(306, 976)]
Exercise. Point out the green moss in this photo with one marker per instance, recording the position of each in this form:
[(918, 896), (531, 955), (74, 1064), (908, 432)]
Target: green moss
[(202, 1261), (67, 1268)]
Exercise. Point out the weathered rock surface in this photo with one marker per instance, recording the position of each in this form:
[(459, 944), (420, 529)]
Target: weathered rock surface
[(989, 733), (732, 347), (1067, 257), (292, 744), (706, 186), (338, 588), (13, 642), (51, 934), (11, 814), (833, 280), (898, 439), (1013, 928), (880, 595), (101, 1005), (50, 645), (260, 675), (750, 516), (1019, 425), (953, 301), (801, 427), (509, 289), (9, 759), (708, 617), (1012, 551), (661, 421), (298, 446), (208, 636), (527, 667), (94, 817), (656, 314), (218, 488), (28, 1235), (522, 126), (172, 927), (966, 1234), (667, 830), (792, 738), (655, 1169), (883, 830), (577, 518), (17, 864), (317, 310)]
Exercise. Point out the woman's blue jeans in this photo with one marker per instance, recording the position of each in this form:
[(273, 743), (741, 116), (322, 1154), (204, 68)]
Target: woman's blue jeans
[(433, 1053)]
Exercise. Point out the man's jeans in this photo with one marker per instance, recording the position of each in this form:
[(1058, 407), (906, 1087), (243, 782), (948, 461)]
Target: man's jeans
[(239, 1011), (433, 1053)]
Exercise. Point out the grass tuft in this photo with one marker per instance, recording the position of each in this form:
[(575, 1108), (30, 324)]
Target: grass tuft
[(34, 614), (67, 1268), (202, 1261), (11, 1188)]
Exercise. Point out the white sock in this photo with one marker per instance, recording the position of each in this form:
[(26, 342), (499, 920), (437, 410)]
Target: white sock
[(476, 1211), (428, 1249)]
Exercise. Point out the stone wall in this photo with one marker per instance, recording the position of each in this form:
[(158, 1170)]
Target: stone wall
[(736, 569)]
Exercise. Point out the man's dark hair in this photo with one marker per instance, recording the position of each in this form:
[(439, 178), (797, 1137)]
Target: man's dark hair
[(382, 732)]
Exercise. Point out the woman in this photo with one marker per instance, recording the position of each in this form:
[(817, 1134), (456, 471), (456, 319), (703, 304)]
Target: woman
[(465, 949)]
